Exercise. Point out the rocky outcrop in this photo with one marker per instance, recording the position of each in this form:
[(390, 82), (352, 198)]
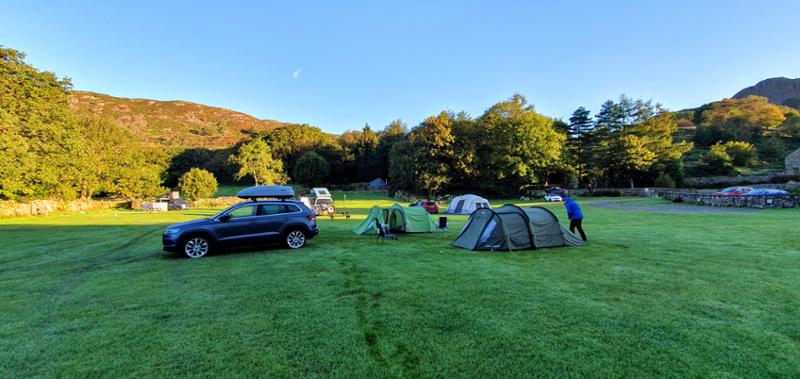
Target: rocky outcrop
[(780, 91)]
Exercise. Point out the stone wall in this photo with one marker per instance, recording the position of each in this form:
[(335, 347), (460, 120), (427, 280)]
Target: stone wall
[(44, 207), (730, 181), (701, 198)]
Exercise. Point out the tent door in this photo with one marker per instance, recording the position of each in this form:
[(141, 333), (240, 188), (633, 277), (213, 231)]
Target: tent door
[(459, 206)]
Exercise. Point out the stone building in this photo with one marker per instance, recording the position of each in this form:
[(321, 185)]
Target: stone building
[(793, 163)]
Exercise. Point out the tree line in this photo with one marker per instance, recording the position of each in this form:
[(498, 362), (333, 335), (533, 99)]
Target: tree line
[(50, 152)]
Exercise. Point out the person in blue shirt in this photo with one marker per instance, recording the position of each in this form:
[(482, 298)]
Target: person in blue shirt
[(575, 216)]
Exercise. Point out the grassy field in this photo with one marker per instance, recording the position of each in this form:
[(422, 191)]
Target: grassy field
[(653, 294)]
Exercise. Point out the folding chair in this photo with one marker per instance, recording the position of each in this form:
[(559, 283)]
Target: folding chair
[(383, 232), (442, 225)]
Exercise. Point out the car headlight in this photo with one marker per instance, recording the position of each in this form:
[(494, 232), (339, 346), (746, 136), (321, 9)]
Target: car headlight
[(172, 232)]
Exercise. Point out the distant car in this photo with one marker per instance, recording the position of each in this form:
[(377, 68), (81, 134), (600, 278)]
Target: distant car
[(555, 191), (430, 206), (178, 205), (552, 197), (251, 223), (734, 191), (767, 192)]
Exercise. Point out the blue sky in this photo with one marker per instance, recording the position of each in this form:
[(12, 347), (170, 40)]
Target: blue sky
[(339, 64)]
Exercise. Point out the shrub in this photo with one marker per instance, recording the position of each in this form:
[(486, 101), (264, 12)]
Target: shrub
[(717, 161), (665, 181), (741, 153), (197, 184)]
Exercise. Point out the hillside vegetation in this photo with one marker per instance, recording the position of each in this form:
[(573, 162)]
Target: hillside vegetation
[(171, 123)]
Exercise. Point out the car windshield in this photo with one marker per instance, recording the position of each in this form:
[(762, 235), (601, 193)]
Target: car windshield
[(222, 212), (324, 201)]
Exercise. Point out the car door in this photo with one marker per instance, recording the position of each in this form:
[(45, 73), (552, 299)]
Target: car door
[(271, 218), (241, 228)]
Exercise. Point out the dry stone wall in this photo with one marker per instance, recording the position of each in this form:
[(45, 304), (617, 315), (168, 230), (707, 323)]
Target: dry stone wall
[(44, 207), (701, 198)]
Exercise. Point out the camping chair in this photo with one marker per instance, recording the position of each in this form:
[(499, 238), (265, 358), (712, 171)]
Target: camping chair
[(442, 225), (383, 232)]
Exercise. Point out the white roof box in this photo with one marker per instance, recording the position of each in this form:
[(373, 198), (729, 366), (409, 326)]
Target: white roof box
[(274, 192)]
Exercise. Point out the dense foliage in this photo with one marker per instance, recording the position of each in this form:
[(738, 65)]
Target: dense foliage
[(50, 152), (311, 169), (197, 184)]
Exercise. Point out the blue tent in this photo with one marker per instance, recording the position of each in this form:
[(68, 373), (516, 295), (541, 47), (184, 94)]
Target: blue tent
[(377, 184)]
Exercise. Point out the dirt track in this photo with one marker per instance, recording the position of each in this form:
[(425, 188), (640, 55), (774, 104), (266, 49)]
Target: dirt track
[(666, 207)]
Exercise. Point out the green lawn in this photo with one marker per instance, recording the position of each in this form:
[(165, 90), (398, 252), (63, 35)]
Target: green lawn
[(654, 294)]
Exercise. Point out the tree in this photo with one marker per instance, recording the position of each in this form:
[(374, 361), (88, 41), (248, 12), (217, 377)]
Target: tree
[(311, 169), (717, 161), (391, 134), (402, 166), (197, 184), (737, 119), (39, 137), (518, 146), (579, 140), (254, 158), (741, 153), (432, 141)]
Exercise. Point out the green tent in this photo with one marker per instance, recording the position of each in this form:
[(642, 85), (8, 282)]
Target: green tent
[(368, 226), (513, 228), (399, 219)]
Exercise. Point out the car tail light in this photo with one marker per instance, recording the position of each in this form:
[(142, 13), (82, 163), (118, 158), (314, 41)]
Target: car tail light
[(311, 217)]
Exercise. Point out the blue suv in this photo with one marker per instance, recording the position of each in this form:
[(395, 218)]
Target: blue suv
[(251, 223)]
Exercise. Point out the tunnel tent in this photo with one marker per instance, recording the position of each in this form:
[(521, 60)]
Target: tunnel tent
[(513, 228), (399, 219), (368, 225), (466, 204)]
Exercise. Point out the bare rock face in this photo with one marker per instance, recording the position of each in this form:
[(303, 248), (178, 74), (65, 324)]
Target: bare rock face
[(780, 91)]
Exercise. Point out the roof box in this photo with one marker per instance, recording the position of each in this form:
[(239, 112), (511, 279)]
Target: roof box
[(273, 192)]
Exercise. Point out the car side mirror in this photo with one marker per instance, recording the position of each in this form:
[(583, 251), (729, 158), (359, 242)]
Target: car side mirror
[(224, 218)]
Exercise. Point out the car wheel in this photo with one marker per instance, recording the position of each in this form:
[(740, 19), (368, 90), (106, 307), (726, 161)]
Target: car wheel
[(196, 247), (295, 239)]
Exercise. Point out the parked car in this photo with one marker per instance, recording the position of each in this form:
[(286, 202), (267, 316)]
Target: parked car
[(174, 204), (178, 205), (251, 223), (556, 191), (552, 197), (734, 191), (430, 206), (767, 192)]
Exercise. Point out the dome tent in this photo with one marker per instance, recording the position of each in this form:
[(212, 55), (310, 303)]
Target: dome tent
[(513, 228), (466, 204), (399, 219), (377, 184)]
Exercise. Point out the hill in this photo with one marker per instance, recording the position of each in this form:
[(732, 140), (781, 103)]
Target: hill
[(171, 123), (780, 91)]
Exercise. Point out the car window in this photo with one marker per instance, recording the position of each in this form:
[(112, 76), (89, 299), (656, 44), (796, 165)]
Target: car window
[(245, 211), (273, 209), (324, 201)]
